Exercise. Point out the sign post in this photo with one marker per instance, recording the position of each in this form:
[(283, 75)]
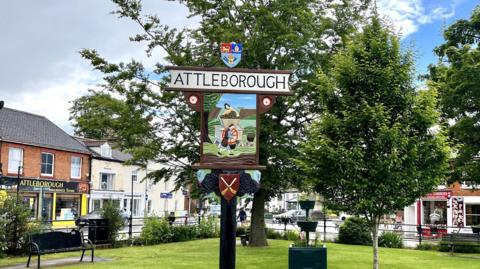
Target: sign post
[(230, 102)]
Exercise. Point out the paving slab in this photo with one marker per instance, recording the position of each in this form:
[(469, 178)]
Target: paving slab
[(54, 262)]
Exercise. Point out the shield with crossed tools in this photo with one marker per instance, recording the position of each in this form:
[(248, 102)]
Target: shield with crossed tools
[(228, 184)]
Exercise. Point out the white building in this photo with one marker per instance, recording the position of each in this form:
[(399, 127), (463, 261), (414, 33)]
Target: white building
[(112, 181)]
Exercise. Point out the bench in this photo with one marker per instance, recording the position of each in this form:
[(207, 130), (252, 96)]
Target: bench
[(55, 242), (461, 239)]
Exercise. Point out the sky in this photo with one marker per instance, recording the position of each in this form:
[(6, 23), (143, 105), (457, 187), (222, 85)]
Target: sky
[(41, 70)]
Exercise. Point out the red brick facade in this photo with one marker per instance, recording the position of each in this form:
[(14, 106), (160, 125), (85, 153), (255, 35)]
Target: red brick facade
[(32, 162)]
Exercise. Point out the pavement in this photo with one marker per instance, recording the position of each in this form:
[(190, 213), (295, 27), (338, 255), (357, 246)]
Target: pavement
[(54, 262)]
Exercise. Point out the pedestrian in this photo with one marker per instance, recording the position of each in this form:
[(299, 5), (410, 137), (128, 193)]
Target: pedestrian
[(242, 216)]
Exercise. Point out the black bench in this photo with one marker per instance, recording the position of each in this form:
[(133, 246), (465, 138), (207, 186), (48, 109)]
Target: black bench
[(461, 239), (244, 238), (55, 242)]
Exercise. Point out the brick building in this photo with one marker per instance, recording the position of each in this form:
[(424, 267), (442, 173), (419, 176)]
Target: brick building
[(49, 168)]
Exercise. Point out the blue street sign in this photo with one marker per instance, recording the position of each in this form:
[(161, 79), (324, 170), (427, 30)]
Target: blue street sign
[(166, 195)]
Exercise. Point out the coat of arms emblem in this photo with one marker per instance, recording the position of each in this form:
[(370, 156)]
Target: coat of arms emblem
[(231, 53), (228, 184)]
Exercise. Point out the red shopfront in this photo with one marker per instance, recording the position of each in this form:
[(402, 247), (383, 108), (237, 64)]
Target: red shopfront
[(432, 213)]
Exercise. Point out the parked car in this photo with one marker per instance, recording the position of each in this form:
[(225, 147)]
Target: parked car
[(291, 216), (97, 214)]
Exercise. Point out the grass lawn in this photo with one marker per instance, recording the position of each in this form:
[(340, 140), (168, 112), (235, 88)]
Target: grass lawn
[(203, 254)]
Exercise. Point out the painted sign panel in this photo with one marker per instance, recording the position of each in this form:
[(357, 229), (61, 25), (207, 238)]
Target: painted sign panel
[(27, 184), (457, 212), (231, 127), (229, 80), (228, 185)]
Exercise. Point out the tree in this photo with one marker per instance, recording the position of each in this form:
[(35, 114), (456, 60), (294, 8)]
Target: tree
[(457, 78), (373, 151), (297, 35)]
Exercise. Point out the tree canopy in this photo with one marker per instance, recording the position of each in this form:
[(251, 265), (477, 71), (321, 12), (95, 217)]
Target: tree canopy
[(373, 151), (296, 35), (457, 78)]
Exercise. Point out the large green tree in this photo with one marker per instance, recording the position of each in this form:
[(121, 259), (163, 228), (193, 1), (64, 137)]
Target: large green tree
[(457, 78), (298, 35), (373, 150)]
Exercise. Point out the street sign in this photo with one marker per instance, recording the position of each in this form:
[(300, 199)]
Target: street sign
[(166, 195)]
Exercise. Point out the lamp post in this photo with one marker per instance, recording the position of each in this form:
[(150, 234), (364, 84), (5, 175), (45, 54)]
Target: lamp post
[(130, 226)]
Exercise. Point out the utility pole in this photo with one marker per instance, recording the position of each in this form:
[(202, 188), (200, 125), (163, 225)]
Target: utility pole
[(130, 226)]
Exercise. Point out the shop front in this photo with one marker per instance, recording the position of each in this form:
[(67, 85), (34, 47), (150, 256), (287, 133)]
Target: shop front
[(432, 213), (52, 201)]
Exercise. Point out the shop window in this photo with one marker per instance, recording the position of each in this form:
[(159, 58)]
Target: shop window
[(15, 160), (47, 164), (67, 207), (46, 201), (136, 207), (76, 167), (32, 203), (472, 214), (97, 205), (106, 182), (435, 212)]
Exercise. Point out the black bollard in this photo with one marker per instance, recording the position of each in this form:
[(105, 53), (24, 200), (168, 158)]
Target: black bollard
[(228, 233)]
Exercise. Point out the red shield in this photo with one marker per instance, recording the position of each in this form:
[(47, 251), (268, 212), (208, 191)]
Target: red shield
[(228, 185)]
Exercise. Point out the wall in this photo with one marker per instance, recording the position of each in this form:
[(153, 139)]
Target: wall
[(32, 161)]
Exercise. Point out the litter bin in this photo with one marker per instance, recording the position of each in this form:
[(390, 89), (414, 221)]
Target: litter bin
[(307, 258), (98, 231)]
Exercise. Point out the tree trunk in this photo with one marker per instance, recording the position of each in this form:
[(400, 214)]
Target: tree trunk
[(375, 244), (258, 236), (205, 137)]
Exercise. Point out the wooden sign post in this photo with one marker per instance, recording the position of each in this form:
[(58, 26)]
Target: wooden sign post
[(230, 102)]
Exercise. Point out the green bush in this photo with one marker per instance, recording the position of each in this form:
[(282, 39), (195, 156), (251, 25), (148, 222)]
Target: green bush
[(242, 230), (291, 235), (208, 228), (15, 218), (183, 233), (355, 231), (390, 240), (460, 247), (427, 246), (115, 221), (272, 234), (156, 231)]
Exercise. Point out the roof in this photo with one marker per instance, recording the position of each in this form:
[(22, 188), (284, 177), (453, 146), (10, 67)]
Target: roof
[(117, 155), (31, 129)]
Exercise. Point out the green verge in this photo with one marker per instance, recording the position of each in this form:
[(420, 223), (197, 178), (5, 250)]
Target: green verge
[(203, 254)]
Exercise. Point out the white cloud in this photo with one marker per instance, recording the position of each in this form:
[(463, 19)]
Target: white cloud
[(408, 15)]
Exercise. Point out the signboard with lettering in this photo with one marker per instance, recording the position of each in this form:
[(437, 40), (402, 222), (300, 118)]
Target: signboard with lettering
[(166, 195), (230, 102), (229, 80), (27, 184)]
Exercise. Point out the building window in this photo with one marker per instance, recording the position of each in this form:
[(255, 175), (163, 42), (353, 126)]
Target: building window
[(136, 207), (67, 207), (76, 167), (15, 160), (106, 181), (47, 164), (106, 150), (134, 175), (435, 212), (149, 206), (472, 214)]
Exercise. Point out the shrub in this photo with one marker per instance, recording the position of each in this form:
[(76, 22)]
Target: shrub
[(115, 221), (242, 230), (272, 234), (183, 233), (291, 235), (427, 246), (390, 240), (15, 226), (355, 231), (208, 228), (156, 231), (460, 247)]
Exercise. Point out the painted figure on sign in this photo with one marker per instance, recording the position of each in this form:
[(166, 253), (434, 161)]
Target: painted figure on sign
[(229, 138)]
